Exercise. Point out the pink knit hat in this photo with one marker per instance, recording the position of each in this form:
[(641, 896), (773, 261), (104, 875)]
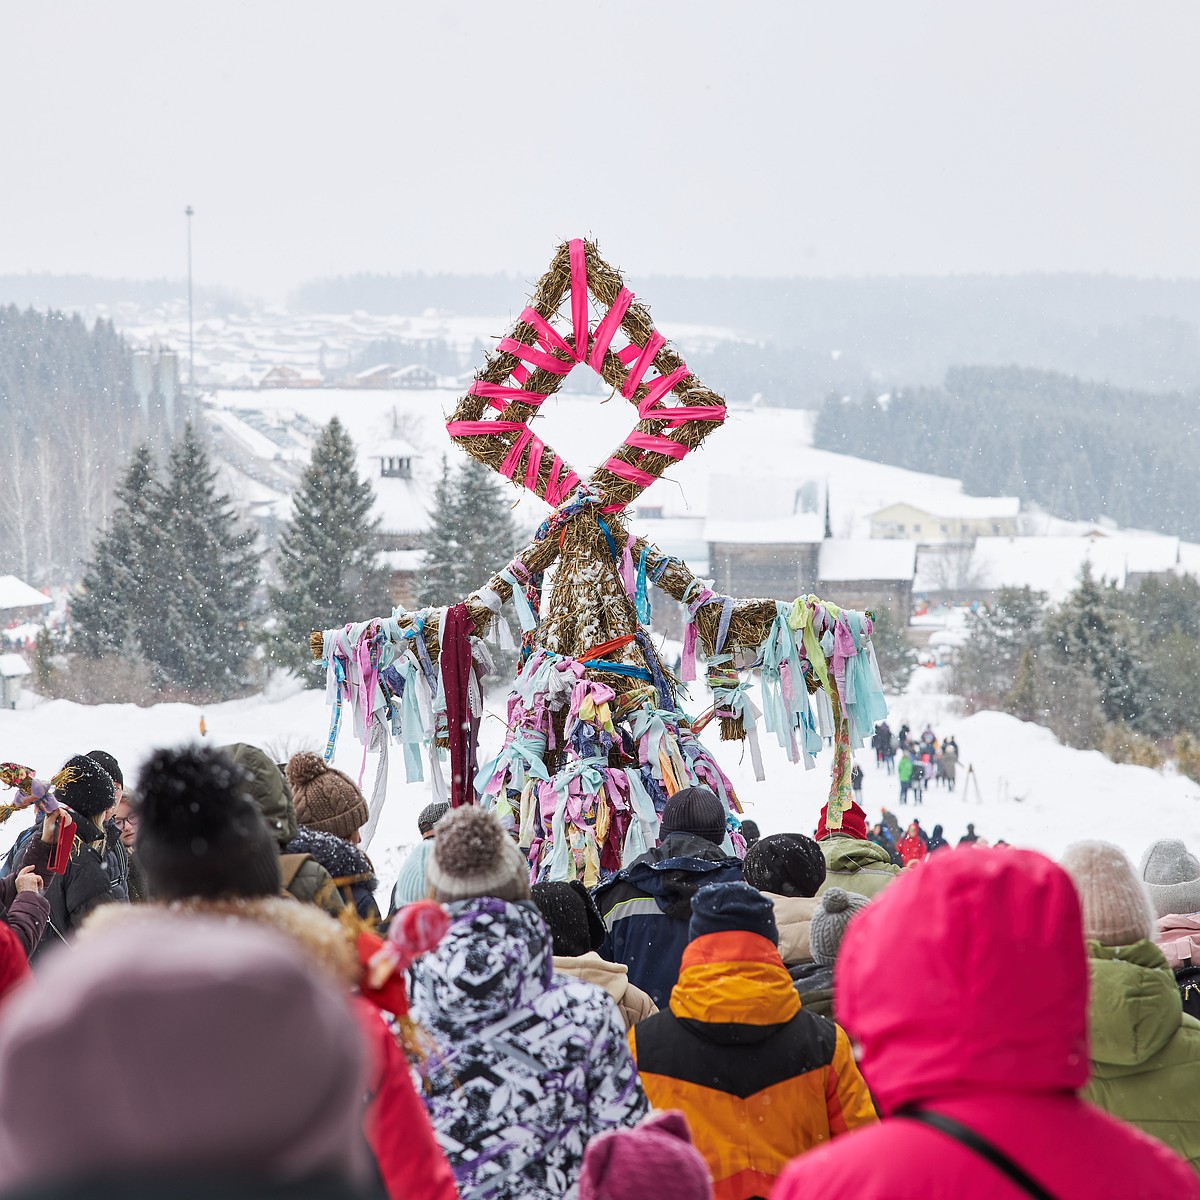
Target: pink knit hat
[(655, 1161)]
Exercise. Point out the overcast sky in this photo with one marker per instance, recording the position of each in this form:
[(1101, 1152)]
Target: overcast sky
[(694, 137)]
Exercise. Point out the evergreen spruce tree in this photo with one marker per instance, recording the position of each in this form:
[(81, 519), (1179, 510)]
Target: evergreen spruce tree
[(487, 533), (326, 557), (472, 535), (1092, 633), (204, 572), (998, 638), (442, 573), (107, 616)]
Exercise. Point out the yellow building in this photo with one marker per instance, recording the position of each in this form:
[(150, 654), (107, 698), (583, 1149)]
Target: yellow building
[(949, 519)]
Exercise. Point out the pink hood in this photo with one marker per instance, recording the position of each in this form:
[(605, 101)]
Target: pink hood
[(1000, 1000), (1178, 937)]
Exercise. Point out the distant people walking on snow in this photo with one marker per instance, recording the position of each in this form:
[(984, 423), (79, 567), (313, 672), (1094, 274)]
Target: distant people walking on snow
[(912, 846), (856, 778), (949, 763), (882, 741), (969, 838), (918, 781), (759, 1078), (937, 841), (903, 736), (1145, 1052), (750, 833), (878, 835), (938, 1040), (904, 772)]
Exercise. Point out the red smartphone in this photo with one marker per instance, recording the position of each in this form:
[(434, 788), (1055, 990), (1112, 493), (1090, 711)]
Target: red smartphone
[(60, 847)]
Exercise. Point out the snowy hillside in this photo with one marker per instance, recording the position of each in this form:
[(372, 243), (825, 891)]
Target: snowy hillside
[(1032, 791), (754, 443)]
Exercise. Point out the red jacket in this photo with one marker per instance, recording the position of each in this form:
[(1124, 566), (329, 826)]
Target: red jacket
[(410, 1160), (912, 848), (987, 1024)]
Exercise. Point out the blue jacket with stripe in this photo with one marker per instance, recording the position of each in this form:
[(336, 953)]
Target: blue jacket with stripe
[(647, 906)]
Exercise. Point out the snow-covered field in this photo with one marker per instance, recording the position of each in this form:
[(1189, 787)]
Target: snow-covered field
[(1031, 790)]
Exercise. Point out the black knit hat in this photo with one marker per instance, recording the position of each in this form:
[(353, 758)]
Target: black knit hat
[(431, 814), (722, 907), (200, 833), (750, 833), (695, 810), (571, 916), (90, 791), (787, 864), (109, 764)]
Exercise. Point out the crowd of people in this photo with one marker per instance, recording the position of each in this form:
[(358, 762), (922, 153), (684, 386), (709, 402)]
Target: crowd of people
[(918, 763), (219, 1004)]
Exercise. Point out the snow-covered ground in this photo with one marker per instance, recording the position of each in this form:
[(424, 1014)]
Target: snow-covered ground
[(1028, 789)]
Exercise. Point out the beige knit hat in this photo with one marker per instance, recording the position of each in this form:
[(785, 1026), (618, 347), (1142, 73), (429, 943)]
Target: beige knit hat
[(473, 856), (325, 798), (1116, 905)]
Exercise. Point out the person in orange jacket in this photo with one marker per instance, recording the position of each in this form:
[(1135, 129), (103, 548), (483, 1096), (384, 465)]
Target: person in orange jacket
[(759, 1078)]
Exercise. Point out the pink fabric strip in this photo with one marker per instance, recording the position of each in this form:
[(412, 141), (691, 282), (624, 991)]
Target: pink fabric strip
[(534, 465), (501, 396), (579, 297), (623, 470), (535, 357), (482, 428), (607, 329), (628, 354), (509, 465), (661, 387), (549, 337), (683, 413), (552, 490), (656, 443), (654, 343), (562, 487)]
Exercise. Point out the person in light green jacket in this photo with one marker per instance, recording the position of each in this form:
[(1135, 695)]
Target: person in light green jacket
[(852, 863), (1145, 1049), (904, 772)]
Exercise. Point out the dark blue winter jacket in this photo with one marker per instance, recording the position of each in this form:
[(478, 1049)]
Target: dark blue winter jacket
[(647, 907)]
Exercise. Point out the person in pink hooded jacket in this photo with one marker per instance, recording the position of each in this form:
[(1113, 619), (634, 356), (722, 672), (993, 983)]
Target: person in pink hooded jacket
[(982, 1034)]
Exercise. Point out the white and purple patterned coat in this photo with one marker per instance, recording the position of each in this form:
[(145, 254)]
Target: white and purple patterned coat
[(530, 1065)]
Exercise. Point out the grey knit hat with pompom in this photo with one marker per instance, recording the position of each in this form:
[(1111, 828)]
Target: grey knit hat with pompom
[(473, 856), (829, 924)]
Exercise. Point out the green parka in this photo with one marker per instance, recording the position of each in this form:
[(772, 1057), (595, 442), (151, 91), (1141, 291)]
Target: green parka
[(856, 866), (1145, 1049)]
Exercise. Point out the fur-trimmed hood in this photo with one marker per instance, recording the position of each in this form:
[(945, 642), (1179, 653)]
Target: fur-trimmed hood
[(323, 940)]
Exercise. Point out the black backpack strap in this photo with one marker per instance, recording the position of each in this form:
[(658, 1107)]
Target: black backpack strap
[(981, 1146)]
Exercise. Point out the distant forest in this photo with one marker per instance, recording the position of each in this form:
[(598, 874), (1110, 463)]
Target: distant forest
[(800, 338), (89, 292), (70, 419), (1080, 450)]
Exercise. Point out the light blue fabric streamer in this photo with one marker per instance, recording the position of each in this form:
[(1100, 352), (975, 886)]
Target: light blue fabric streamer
[(412, 731), (643, 829), (641, 593), (520, 602)]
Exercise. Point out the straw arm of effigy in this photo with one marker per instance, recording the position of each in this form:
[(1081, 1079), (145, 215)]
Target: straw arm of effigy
[(750, 624)]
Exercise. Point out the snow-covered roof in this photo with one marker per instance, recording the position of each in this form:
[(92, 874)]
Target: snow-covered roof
[(1052, 564), (845, 559), (969, 508), (15, 593), (12, 665), (801, 529), (393, 447), (380, 372)]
